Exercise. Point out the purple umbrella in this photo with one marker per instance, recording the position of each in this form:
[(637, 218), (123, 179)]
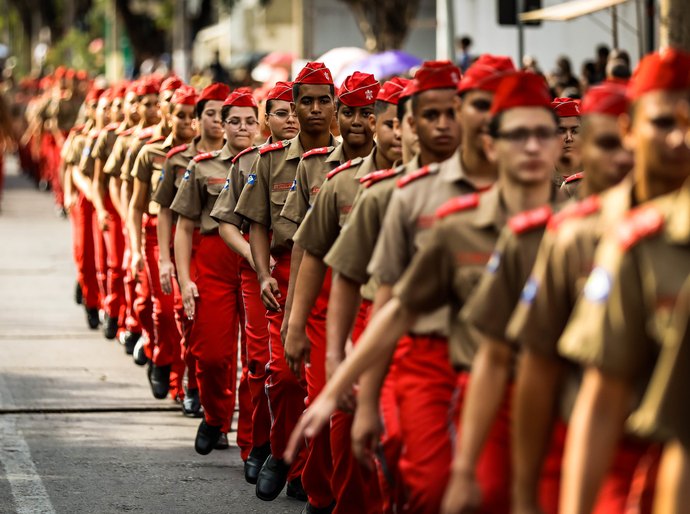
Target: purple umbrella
[(383, 65)]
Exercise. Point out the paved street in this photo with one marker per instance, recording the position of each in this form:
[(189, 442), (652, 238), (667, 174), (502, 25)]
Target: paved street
[(79, 429)]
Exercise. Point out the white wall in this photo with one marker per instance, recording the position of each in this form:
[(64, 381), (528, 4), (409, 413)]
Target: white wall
[(576, 39)]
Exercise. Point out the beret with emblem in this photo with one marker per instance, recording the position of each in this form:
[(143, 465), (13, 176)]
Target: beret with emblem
[(665, 70), (359, 89), (314, 73), (216, 91), (146, 87), (566, 107), (240, 97), (485, 73), (391, 90), (281, 91), (606, 98), (171, 83), (436, 75), (184, 95), (521, 89)]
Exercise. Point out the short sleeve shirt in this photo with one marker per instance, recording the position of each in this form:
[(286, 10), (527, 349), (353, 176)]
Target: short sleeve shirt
[(75, 149), (148, 167), (172, 172), (113, 166), (104, 143), (138, 141), (86, 161)]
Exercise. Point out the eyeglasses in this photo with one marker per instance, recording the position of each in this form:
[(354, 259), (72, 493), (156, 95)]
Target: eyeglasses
[(521, 136), (236, 122), (283, 115)]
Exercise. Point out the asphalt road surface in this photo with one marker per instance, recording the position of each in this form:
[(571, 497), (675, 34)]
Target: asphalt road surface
[(79, 429)]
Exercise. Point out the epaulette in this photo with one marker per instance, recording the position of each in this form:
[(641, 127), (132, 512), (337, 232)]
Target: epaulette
[(94, 132), (459, 204), (318, 151), (127, 132), (638, 224), (145, 133), (343, 167), (243, 152), (206, 156), (274, 146), (176, 150), (573, 178), (77, 128), (112, 126), (377, 176), (416, 175), (580, 209), (155, 140), (530, 220)]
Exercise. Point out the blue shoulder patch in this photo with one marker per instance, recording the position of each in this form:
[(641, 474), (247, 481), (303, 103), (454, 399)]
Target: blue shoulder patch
[(293, 187), (529, 292), (598, 286), (187, 174), (251, 179), (494, 262), (226, 186)]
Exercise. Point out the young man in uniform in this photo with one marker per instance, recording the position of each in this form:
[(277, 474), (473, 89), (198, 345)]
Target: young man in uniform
[(563, 262), (624, 314), (167, 368), (282, 123), (330, 205), (174, 168), (261, 202), (213, 298), (569, 163)]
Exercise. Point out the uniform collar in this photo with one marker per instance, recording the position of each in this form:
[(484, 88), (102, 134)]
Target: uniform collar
[(414, 164), (678, 218), (337, 155), (168, 142), (367, 166), (225, 153), (451, 170), (295, 149), (491, 211)]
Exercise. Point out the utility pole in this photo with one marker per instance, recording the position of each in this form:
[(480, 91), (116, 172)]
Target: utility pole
[(181, 55), (520, 8), (114, 64), (674, 29)]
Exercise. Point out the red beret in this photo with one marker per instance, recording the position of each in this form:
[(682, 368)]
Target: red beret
[(132, 87), (81, 75), (566, 107), (94, 94), (60, 72), (314, 73), (391, 90), (485, 73), (241, 97), (281, 91), (184, 95), (665, 70), (119, 91), (171, 84), (407, 91), (146, 87), (436, 75), (107, 94), (70, 74), (359, 89), (521, 89), (216, 91), (46, 82), (605, 98)]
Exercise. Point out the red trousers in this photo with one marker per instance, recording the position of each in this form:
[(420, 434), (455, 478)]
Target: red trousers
[(388, 461), (215, 332), (256, 328), (355, 487), (81, 216), (285, 392), (166, 338), (101, 260), (115, 306), (425, 389), (50, 166)]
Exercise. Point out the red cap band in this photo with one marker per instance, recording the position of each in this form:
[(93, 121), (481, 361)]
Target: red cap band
[(391, 90), (315, 73), (171, 84), (281, 91), (240, 97), (359, 89), (184, 95), (566, 107)]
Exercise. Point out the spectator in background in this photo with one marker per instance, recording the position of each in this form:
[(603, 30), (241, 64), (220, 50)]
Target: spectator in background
[(219, 73), (587, 75), (562, 79), (529, 63), (618, 66), (600, 64), (464, 59)]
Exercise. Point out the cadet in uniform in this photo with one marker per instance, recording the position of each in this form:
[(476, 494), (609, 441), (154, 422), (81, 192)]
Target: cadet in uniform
[(563, 262), (282, 123), (634, 270), (174, 168), (262, 202), (569, 162), (143, 213)]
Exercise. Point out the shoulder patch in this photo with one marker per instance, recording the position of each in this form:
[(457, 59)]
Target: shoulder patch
[(243, 152), (77, 128), (377, 176), (318, 151), (127, 132), (206, 156), (176, 150), (530, 220), (343, 167), (155, 140), (640, 223), (459, 204), (145, 133), (581, 209), (424, 171), (112, 126), (274, 146), (574, 178)]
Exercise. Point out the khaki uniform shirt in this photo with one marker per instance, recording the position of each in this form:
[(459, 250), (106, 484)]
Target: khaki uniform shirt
[(172, 172), (201, 185), (142, 137), (73, 153), (495, 298), (626, 311), (148, 167), (263, 197), (310, 175), (86, 161), (105, 142), (332, 206), (445, 271), (113, 166), (224, 209), (406, 227), (571, 185)]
